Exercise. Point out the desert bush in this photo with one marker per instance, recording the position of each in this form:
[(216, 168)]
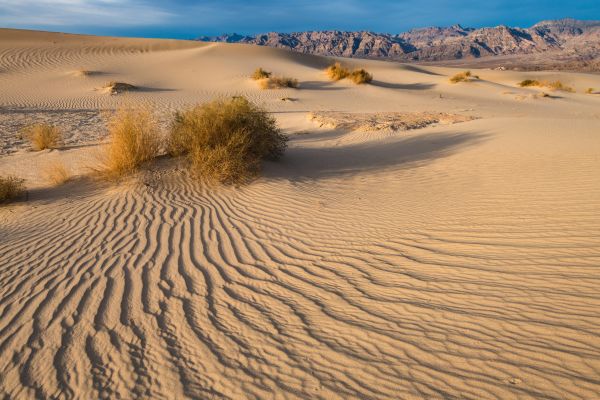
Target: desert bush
[(134, 137), (361, 76), (260, 73), (554, 85), (42, 136), (114, 87), (278, 82), (10, 187), (337, 72), (590, 90), (465, 76), (226, 140), (57, 174), (529, 82), (558, 85)]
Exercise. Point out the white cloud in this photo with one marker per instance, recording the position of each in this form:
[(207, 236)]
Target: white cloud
[(21, 13)]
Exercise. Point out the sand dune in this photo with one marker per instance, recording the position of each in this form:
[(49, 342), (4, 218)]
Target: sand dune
[(452, 261)]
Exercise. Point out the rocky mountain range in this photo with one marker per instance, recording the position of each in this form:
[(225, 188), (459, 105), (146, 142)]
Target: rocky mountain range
[(556, 44)]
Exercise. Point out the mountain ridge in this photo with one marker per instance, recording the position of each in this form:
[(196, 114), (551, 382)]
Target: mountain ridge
[(568, 43)]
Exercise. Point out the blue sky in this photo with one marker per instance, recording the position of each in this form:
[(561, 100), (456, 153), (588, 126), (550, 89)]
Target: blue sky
[(189, 18)]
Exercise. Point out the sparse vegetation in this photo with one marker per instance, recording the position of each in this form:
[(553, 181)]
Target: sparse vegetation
[(42, 136), (226, 140), (361, 76), (529, 82), (553, 85), (134, 140), (465, 76), (337, 72), (278, 82), (589, 91), (260, 73), (57, 174), (114, 87), (10, 188)]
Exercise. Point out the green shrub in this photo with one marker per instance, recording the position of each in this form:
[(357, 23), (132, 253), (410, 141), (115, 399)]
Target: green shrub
[(226, 140)]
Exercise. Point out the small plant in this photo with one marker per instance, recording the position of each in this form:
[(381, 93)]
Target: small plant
[(529, 82), (57, 174), (337, 72), (589, 91), (260, 73), (554, 85), (558, 85), (114, 87), (465, 76), (84, 72), (10, 188), (134, 140), (361, 76), (42, 136), (279, 82), (226, 140)]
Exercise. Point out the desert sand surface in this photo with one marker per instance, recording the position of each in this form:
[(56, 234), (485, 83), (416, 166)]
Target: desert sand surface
[(459, 260)]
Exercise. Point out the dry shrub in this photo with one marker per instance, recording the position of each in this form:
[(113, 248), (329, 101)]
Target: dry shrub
[(260, 73), (361, 76), (558, 85), (465, 76), (529, 82), (42, 136), (553, 85), (337, 72), (57, 174), (226, 140), (135, 139), (279, 82), (114, 87), (589, 91), (10, 188)]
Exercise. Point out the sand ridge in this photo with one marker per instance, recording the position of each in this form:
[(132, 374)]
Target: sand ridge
[(451, 261)]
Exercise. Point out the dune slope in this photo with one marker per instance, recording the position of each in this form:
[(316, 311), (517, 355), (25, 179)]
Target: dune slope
[(453, 261)]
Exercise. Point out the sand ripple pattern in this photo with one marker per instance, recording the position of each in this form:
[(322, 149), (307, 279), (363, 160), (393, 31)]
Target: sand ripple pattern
[(164, 289)]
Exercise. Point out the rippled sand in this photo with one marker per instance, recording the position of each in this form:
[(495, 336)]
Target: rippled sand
[(452, 261)]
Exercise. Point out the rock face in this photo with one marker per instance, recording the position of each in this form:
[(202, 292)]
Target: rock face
[(568, 40)]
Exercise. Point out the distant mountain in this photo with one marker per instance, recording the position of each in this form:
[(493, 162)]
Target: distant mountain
[(565, 42)]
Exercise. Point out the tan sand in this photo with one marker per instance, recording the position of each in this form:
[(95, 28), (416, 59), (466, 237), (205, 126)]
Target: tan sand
[(453, 261)]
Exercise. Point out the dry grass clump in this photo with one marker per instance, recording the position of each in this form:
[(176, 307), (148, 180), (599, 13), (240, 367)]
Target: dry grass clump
[(558, 85), (42, 136), (465, 76), (260, 73), (529, 82), (337, 72), (553, 85), (226, 140), (361, 76), (10, 188), (57, 174), (134, 137), (589, 91), (279, 82), (114, 87), (84, 72)]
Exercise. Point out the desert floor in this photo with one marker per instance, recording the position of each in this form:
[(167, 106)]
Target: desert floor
[(456, 261)]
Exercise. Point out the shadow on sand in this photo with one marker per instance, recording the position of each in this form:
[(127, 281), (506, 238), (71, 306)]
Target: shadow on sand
[(301, 162)]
